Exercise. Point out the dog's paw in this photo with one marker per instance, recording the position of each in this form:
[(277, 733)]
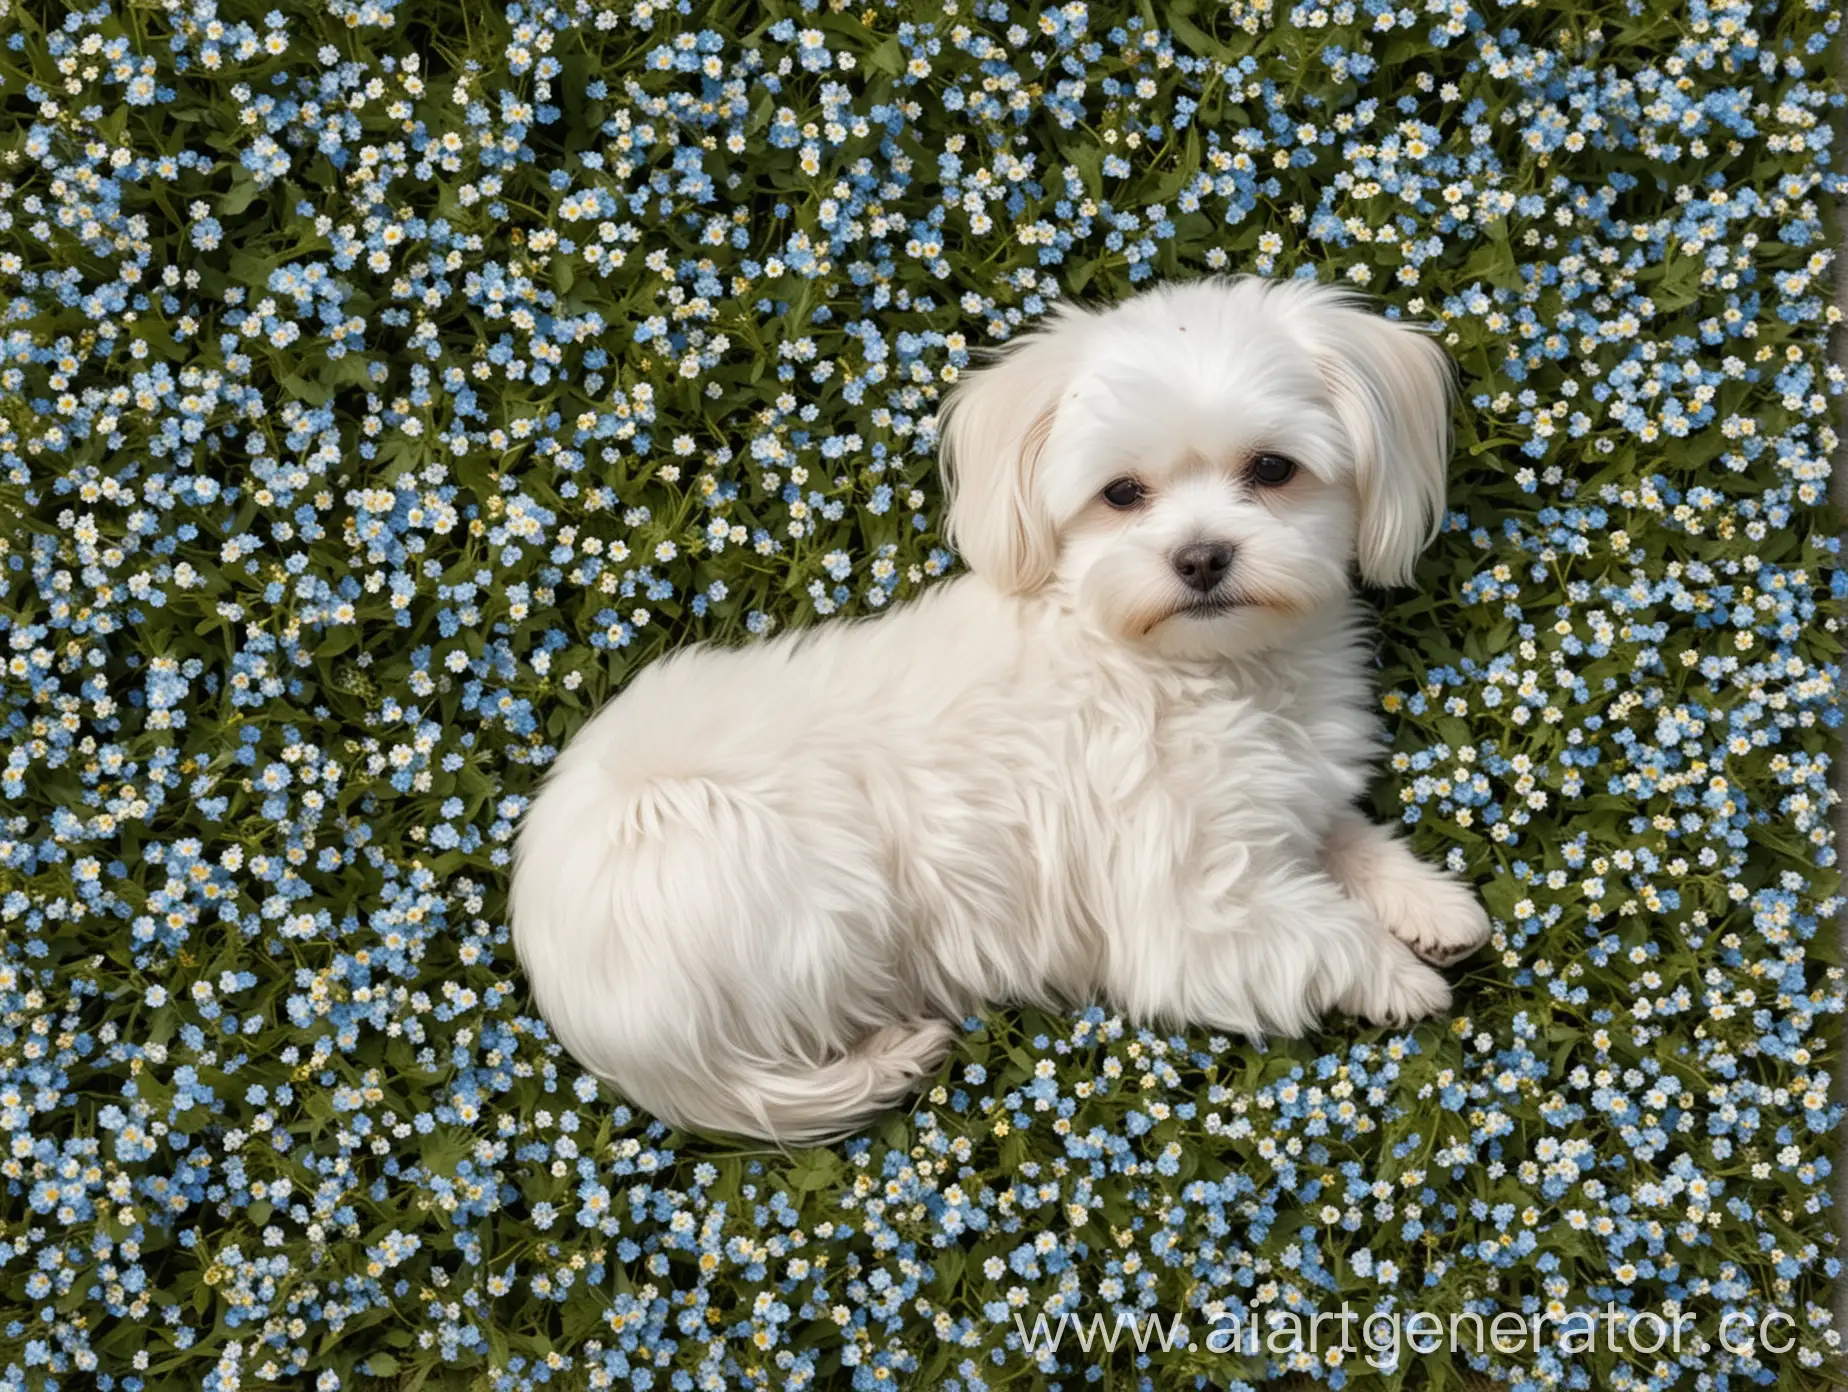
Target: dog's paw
[(1442, 921), (1409, 991)]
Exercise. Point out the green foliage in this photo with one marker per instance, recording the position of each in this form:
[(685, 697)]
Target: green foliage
[(382, 383)]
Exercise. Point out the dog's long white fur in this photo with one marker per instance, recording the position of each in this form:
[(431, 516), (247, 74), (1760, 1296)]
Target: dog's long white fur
[(755, 891)]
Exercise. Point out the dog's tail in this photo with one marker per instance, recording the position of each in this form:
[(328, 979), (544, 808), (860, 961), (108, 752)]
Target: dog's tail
[(796, 1104)]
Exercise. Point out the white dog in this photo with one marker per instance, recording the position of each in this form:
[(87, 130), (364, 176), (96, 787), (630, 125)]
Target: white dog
[(1118, 761)]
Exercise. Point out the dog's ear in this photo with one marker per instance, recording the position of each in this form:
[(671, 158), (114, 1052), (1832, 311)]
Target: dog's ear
[(993, 428), (1392, 384)]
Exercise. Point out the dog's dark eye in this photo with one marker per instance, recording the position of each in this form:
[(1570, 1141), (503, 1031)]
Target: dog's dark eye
[(1123, 493), (1272, 470)]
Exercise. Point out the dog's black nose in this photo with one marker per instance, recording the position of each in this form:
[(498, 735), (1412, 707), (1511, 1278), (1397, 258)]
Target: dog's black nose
[(1203, 564)]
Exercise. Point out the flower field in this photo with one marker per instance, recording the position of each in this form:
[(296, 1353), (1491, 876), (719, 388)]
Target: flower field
[(382, 382)]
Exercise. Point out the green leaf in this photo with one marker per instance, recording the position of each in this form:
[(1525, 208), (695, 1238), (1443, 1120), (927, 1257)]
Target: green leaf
[(888, 57), (243, 190), (302, 389), (814, 1169)]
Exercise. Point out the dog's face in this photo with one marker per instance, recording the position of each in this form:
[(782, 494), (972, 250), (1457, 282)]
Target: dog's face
[(1202, 466)]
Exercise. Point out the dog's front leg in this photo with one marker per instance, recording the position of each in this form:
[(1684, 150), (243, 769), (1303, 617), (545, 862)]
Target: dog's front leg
[(1286, 950), (1357, 967), (1419, 904)]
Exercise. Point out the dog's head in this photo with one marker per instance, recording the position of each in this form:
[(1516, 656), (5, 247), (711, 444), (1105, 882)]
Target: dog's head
[(1202, 465)]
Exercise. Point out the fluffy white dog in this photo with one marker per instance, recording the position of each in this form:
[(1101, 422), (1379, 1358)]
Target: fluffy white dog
[(1118, 761)]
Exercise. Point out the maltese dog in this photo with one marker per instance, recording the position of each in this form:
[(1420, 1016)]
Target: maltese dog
[(1118, 760)]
